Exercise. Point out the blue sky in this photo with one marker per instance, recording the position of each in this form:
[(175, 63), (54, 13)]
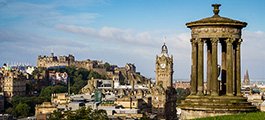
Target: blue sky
[(122, 31)]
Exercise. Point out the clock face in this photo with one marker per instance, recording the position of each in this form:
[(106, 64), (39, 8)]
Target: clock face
[(163, 65)]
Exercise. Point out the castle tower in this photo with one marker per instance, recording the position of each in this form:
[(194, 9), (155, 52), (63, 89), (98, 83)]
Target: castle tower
[(164, 68)]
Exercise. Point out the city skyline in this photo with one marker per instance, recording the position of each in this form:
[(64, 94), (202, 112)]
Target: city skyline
[(122, 32)]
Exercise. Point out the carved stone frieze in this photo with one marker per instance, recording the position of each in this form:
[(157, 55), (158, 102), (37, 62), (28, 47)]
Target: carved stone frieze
[(215, 31)]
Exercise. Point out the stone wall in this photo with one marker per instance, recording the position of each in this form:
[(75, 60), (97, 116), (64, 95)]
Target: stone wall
[(191, 114)]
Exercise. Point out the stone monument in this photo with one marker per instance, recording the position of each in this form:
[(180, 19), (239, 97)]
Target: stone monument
[(223, 96)]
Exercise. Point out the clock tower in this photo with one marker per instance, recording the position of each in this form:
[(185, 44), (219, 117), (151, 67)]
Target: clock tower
[(164, 68)]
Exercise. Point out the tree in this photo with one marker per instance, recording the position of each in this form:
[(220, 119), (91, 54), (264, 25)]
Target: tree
[(30, 101), (182, 94), (56, 115), (22, 110), (77, 79), (47, 92), (84, 72), (9, 110), (107, 66), (78, 85), (99, 115), (84, 113), (95, 75)]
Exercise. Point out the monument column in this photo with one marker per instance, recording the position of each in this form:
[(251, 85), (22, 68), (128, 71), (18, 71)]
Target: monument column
[(214, 67), (229, 67), (238, 68), (194, 67), (209, 67), (200, 66), (223, 73)]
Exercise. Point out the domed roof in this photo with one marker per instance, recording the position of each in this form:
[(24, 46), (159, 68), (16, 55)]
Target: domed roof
[(164, 49), (217, 20)]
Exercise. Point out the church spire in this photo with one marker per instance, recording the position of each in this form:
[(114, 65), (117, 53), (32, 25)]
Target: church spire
[(246, 80)]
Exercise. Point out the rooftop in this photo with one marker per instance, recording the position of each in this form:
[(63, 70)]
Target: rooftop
[(216, 19)]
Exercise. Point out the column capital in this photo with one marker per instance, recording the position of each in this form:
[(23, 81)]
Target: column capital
[(229, 41), (238, 44), (192, 40), (200, 40), (239, 41), (214, 41)]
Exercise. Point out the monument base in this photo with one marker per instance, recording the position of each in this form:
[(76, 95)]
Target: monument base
[(207, 106)]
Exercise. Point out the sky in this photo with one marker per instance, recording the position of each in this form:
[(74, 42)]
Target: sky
[(123, 31)]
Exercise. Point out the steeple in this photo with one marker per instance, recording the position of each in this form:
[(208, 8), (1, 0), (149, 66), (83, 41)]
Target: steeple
[(246, 80)]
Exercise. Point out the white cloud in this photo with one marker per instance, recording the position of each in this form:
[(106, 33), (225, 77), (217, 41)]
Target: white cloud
[(253, 45), (253, 53), (146, 38), (112, 34), (140, 47)]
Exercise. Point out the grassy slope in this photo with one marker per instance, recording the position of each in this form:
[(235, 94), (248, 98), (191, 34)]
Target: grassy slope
[(242, 116)]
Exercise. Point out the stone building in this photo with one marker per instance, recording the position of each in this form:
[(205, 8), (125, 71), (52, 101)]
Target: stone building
[(123, 74), (51, 61), (164, 68), (57, 77), (246, 80), (60, 98), (43, 111), (163, 93), (128, 102), (211, 32), (14, 83), (182, 84)]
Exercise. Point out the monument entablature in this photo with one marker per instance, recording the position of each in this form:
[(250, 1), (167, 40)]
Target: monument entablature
[(215, 32)]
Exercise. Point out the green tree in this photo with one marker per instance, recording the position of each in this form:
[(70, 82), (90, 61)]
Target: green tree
[(30, 101), (99, 115), (47, 92), (22, 110), (78, 85), (56, 115), (84, 72), (80, 114), (95, 75), (78, 79), (182, 94), (107, 66)]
